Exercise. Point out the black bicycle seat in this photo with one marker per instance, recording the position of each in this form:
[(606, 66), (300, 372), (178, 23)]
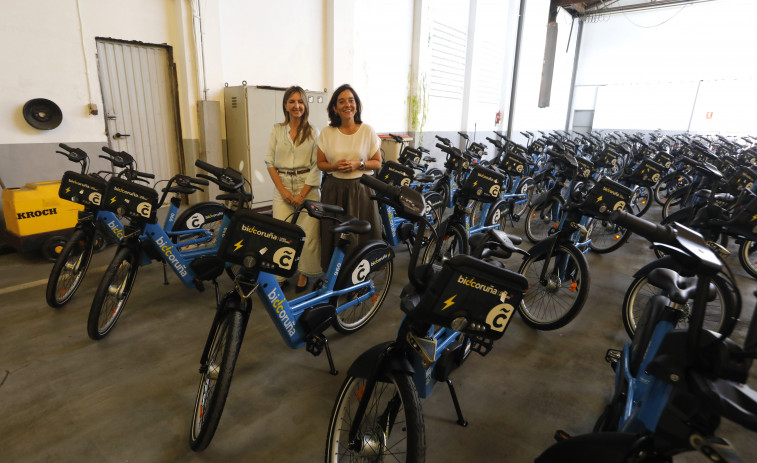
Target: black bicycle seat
[(353, 225), (679, 289)]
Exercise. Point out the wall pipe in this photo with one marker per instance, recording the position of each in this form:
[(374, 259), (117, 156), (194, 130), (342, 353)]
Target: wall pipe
[(579, 34), (521, 15)]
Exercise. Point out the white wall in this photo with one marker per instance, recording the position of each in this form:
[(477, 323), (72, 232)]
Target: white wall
[(646, 67)]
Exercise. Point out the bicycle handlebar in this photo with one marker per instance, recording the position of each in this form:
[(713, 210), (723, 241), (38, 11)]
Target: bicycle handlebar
[(653, 232)]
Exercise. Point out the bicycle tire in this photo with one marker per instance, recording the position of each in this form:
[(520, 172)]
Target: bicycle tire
[(539, 219), (538, 307), (381, 436), (455, 242), (667, 185), (525, 187), (674, 202), (357, 316), (69, 269), (641, 202), (216, 378), (607, 236), (721, 315), (112, 293), (747, 249)]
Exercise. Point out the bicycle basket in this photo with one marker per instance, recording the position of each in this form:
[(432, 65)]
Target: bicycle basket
[(275, 245), (607, 158), (473, 297), (395, 173), (664, 159), (410, 155), (483, 184), (743, 178), (606, 196), (137, 202), (81, 189), (585, 167), (647, 173), (514, 163), (537, 147)]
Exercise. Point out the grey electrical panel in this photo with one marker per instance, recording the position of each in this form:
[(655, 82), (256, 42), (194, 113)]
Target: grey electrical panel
[(251, 112)]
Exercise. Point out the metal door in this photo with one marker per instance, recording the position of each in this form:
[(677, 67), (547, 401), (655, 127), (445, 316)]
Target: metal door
[(140, 105)]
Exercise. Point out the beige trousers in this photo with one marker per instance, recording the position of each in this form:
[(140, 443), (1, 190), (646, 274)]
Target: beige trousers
[(310, 259)]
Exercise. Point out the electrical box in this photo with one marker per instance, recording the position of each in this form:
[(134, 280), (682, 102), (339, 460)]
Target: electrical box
[(251, 112)]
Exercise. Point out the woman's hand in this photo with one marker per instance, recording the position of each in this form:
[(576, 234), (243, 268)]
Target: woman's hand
[(297, 200), (287, 196), (346, 165)]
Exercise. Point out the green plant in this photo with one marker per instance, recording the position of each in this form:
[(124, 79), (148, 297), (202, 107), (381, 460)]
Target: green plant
[(417, 104)]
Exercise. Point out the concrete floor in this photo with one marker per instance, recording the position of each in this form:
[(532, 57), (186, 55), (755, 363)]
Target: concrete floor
[(129, 397)]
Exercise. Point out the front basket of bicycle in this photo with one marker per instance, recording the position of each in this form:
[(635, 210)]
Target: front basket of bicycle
[(743, 178), (606, 196), (514, 163), (473, 297), (410, 154), (647, 173), (585, 167), (395, 173), (86, 190), (607, 158), (483, 184), (664, 159), (260, 242), (128, 199)]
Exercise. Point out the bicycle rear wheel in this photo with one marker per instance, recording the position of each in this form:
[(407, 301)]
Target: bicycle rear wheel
[(748, 257), (721, 315), (112, 293), (555, 300), (216, 378), (357, 316), (392, 428), (69, 269), (607, 236)]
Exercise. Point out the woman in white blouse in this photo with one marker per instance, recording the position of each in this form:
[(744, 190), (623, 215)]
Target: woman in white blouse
[(291, 162), (347, 150)]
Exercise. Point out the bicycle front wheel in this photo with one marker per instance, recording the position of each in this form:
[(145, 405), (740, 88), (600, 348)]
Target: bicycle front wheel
[(391, 430), (542, 218), (721, 314), (748, 257), (357, 316), (555, 299), (112, 293), (454, 242), (215, 381), (69, 269), (607, 236)]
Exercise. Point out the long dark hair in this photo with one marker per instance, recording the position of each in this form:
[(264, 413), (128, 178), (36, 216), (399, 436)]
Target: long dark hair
[(304, 131), (336, 121)]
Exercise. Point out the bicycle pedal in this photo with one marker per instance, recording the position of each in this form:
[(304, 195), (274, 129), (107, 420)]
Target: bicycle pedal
[(314, 345), (612, 356)]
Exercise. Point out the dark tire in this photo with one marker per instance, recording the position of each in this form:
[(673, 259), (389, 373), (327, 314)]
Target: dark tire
[(435, 214), (69, 269), (112, 293), (748, 257), (392, 428), (204, 215), (674, 202), (542, 218), (216, 378), (454, 242), (357, 316), (641, 201), (721, 315), (52, 247), (607, 236), (525, 187), (444, 190), (553, 303), (667, 185)]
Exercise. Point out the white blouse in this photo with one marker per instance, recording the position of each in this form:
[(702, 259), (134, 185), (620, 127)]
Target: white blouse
[(284, 154), (359, 146)]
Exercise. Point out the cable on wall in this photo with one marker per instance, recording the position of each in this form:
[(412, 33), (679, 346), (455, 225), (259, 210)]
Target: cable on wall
[(84, 54), (656, 25)]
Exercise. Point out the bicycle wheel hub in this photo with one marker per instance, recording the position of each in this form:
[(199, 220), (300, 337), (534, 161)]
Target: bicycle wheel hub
[(370, 446), (552, 283)]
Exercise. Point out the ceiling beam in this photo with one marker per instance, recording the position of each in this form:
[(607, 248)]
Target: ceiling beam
[(595, 9)]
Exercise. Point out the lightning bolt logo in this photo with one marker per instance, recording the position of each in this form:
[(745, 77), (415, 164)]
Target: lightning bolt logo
[(754, 217), (599, 199), (68, 189), (113, 200), (237, 246), (449, 302), (475, 183)]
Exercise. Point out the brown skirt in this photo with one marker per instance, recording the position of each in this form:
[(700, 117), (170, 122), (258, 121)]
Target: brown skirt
[(355, 199)]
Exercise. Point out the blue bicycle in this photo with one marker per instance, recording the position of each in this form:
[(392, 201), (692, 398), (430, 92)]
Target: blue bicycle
[(145, 240), (672, 387), (465, 307), (96, 225), (354, 287)]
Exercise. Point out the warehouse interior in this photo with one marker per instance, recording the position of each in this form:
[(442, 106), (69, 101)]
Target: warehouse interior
[(176, 81)]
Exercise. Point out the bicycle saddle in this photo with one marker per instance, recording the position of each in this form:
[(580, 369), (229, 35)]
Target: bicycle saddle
[(353, 225), (679, 289)]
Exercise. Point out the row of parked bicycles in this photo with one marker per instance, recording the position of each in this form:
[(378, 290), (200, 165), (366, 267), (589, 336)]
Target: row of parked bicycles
[(575, 193)]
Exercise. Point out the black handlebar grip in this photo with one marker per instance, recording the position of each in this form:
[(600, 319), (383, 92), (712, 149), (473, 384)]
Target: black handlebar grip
[(144, 175), (644, 228), (389, 191), (443, 140), (199, 181), (110, 151), (217, 171), (65, 147)]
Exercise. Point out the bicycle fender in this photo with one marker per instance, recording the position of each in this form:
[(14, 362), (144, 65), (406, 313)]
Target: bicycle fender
[(371, 256), (494, 209), (663, 262), (197, 219), (370, 361)]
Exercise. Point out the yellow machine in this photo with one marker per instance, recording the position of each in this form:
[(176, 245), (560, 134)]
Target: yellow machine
[(37, 219)]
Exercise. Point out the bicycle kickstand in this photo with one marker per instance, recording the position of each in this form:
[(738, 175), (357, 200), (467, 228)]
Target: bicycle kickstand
[(315, 344), (460, 420), (165, 274)]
